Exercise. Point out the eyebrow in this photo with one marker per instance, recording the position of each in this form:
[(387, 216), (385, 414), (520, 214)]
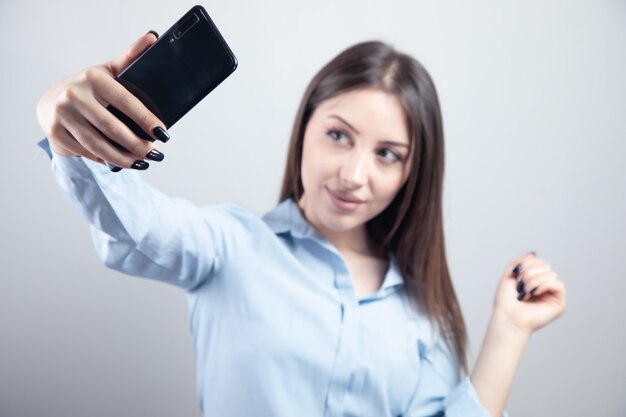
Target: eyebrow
[(386, 142), (345, 122)]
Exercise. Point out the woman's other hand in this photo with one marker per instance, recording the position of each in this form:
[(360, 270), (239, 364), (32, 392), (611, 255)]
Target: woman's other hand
[(74, 116), (530, 294)]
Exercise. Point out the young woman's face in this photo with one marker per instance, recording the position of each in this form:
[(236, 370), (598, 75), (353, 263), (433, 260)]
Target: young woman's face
[(356, 157)]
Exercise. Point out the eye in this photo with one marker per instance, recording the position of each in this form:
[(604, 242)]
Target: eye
[(389, 155), (337, 135)]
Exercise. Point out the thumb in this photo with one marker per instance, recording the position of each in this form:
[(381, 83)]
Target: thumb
[(119, 64)]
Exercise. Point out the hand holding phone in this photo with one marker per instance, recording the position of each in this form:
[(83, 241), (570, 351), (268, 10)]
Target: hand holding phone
[(73, 113)]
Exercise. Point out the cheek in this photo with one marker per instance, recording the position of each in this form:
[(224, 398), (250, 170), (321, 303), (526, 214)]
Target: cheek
[(403, 174), (310, 168), (389, 186), (315, 161)]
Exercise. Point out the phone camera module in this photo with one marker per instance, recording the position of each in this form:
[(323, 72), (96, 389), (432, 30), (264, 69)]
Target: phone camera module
[(186, 25)]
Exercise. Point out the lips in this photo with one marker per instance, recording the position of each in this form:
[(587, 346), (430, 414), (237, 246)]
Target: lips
[(344, 200)]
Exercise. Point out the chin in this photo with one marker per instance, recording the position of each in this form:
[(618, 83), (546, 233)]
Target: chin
[(338, 223)]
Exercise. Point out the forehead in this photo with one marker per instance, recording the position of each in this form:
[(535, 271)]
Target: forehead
[(372, 112)]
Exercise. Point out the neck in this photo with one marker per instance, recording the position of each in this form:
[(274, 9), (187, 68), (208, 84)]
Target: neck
[(355, 240)]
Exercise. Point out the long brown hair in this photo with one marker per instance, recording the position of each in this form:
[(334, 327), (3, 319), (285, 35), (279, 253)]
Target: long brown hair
[(411, 227)]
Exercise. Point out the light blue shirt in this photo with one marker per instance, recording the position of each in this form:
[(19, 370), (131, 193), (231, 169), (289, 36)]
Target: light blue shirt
[(277, 327)]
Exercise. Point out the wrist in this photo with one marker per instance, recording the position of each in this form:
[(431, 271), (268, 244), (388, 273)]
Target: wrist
[(502, 324), (497, 362)]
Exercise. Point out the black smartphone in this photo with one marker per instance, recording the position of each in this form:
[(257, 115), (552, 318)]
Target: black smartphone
[(176, 72)]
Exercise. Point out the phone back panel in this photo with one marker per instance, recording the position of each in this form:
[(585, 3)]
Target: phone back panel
[(185, 64)]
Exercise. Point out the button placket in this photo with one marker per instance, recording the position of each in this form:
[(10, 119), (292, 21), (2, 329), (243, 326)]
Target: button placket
[(346, 351)]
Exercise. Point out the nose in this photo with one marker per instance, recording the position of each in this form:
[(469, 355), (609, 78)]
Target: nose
[(353, 170)]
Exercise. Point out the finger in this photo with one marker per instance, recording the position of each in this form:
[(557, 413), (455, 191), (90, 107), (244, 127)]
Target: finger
[(112, 128), (513, 269), (531, 284), (68, 144), (529, 271), (119, 64), (89, 138), (109, 91), (63, 143), (555, 288), (56, 136)]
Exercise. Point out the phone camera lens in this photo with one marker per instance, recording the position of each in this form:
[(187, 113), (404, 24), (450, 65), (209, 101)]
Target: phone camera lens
[(186, 25)]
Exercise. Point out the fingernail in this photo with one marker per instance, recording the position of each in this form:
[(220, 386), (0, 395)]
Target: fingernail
[(532, 292), (533, 253), (517, 268), (161, 134), (156, 35), (140, 165), (521, 295), (155, 155), (113, 168), (520, 285)]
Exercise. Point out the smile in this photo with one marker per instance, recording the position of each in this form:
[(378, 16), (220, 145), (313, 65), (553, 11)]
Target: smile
[(343, 201)]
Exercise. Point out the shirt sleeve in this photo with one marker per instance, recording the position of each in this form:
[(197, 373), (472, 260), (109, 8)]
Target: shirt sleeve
[(441, 392), (140, 231)]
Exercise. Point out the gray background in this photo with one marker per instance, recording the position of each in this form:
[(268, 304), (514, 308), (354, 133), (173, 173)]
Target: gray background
[(533, 96)]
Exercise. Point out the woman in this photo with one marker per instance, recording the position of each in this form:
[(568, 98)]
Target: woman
[(339, 300)]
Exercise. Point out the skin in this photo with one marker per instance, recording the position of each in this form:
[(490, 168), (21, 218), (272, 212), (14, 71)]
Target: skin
[(354, 163), (356, 146), (511, 324), (69, 110)]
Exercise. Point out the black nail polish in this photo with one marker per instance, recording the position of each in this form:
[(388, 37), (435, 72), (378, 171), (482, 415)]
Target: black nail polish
[(155, 155), (517, 268), (154, 33), (140, 165), (532, 292), (520, 285), (521, 295), (533, 253), (113, 168), (161, 134)]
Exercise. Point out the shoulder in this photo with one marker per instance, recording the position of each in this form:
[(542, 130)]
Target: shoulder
[(231, 214), (231, 209), (235, 223)]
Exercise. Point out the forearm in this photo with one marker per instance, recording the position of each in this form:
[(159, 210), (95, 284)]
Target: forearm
[(497, 363), (135, 228)]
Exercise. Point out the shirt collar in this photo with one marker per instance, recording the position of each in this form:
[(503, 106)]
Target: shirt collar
[(286, 217), (393, 277)]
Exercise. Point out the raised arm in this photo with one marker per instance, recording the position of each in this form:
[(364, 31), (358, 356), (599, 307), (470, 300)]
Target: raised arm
[(135, 228), (513, 321)]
